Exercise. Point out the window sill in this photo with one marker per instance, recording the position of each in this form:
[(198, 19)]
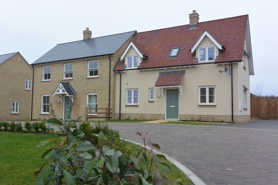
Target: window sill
[(134, 105), (89, 77), (15, 113), (46, 80), (44, 113), (67, 78), (151, 101), (28, 89), (207, 105)]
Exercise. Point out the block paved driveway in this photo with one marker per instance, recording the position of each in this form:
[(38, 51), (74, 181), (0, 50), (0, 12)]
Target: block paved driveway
[(232, 154)]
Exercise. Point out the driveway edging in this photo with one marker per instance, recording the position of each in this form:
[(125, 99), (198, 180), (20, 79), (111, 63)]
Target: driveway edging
[(193, 177)]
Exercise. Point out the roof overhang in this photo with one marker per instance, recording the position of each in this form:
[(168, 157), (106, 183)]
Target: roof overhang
[(65, 88), (206, 33), (135, 48)]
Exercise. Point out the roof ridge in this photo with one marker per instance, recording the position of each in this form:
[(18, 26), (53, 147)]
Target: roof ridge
[(97, 37)]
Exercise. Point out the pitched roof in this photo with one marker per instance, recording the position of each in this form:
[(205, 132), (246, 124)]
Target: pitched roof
[(173, 78), (99, 46), (64, 88), (157, 44), (5, 57)]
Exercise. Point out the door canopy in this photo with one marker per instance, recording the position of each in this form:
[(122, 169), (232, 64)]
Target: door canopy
[(64, 88)]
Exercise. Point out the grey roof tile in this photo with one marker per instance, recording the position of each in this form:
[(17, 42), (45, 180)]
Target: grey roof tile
[(5, 57), (86, 48)]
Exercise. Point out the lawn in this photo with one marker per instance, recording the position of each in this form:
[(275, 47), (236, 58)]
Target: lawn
[(19, 158)]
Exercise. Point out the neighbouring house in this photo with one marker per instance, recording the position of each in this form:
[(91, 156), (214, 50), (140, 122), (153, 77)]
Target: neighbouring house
[(198, 71), (75, 80), (16, 87)]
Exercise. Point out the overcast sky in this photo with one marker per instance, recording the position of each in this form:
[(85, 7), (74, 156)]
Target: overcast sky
[(33, 27)]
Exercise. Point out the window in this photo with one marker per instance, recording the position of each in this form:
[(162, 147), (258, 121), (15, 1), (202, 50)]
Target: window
[(68, 71), (45, 104), (15, 107), (132, 62), (207, 95), (28, 84), (174, 52), (206, 54), (151, 94), (92, 103), (132, 97), (93, 68), (46, 73)]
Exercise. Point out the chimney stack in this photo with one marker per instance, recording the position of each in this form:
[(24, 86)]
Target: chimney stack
[(87, 34), (193, 18)]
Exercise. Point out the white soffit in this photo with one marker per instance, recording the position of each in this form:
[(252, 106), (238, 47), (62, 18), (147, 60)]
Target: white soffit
[(206, 33), (134, 47)]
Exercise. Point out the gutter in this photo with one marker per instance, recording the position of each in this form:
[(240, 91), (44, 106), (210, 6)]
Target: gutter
[(232, 93), (32, 93), (109, 87)]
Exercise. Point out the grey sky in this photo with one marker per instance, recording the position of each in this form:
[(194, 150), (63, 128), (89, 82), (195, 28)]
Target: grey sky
[(33, 27)]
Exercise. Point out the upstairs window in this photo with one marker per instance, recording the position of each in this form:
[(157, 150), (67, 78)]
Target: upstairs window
[(68, 71), (15, 107), (46, 75), (93, 68), (207, 95), (206, 54), (174, 52), (28, 84), (132, 62)]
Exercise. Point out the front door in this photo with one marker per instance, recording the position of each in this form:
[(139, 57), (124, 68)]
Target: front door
[(67, 108), (172, 104)]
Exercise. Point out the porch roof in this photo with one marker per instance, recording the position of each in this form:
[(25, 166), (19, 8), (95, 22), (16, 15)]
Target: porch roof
[(171, 78), (64, 88)]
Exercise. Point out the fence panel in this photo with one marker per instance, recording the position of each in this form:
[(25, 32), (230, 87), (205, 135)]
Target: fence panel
[(264, 107)]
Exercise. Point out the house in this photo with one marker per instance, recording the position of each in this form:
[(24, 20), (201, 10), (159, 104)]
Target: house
[(198, 71), (16, 87), (78, 75)]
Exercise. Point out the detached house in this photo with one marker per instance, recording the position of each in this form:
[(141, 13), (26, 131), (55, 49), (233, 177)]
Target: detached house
[(78, 75), (199, 71), (16, 87)]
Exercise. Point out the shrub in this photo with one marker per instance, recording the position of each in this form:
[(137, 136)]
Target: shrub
[(18, 127), (12, 126), (42, 126), (6, 126), (36, 127), (28, 126)]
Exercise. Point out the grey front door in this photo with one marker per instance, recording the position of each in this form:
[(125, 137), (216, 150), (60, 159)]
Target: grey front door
[(67, 108), (172, 104)]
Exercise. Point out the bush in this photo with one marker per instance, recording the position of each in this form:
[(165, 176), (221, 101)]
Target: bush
[(42, 126), (18, 127), (12, 126), (36, 127), (6, 126), (28, 126)]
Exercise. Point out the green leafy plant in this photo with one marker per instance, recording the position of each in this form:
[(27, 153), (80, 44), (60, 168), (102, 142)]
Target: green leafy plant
[(36, 127), (12, 126), (28, 126), (18, 127), (6, 126)]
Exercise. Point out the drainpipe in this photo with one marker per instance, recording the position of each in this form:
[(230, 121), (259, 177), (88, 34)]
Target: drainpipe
[(120, 98), (232, 93), (109, 88), (32, 93)]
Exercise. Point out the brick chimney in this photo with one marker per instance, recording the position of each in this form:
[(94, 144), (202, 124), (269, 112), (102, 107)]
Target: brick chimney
[(193, 18), (87, 34)]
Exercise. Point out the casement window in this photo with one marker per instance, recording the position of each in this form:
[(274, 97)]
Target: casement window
[(46, 74), (132, 97), (92, 103), (206, 54), (28, 84), (207, 95), (174, 52), (132, 62), (45, 104), (68, 71), (15, 108), (151, 94), (93, 68)]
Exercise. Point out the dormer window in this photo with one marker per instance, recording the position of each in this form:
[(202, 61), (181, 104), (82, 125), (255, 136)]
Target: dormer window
[(132, 62), (174, 52), (206, 54)]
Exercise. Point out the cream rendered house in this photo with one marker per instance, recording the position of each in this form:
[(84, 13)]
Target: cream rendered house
[(78, 75), (16, 87), (199, 71)]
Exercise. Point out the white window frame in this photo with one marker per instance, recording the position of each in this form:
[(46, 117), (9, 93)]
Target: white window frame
[(28, 84), (133, 102), (206, 54), (95, 105), (68, 71), (45, 104), (93, 69), (43, 73), (15, 108), (130, 62), (151, 94), (207, 95)]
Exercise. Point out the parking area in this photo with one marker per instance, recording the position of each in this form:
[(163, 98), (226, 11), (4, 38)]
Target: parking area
[(231, 154)]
